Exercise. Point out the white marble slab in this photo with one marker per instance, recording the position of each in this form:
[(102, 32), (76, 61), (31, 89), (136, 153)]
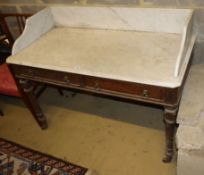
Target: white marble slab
[(124, 55), (191, 110), (150, 46)]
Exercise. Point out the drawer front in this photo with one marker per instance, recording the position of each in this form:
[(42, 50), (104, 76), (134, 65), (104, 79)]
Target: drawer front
[(48, 75), (99, 85), (140, 90)]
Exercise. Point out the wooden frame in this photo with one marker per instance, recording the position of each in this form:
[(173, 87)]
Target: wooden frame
[(169, 98)]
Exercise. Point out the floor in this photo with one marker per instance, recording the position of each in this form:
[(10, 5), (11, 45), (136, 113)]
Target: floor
[(110, 136)]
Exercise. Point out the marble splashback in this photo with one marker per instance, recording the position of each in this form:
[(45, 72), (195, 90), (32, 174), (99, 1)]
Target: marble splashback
[(35, 27), (186, 39), (138, 19)]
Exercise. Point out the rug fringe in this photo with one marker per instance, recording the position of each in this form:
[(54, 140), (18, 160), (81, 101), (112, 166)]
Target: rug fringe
[(91, 172)]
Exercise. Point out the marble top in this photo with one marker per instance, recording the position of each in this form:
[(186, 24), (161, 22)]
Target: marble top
[(142, 57), (142, 45)]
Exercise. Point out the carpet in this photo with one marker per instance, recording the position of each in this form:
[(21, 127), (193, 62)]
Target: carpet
[(19, 160)]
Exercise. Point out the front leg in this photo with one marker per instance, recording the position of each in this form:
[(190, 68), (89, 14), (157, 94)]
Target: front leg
[(26, 88), (170, 114)]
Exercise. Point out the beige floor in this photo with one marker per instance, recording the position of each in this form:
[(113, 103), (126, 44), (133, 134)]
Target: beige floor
[(110, 136)]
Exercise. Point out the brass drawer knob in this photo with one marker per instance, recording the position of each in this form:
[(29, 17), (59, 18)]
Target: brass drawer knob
[(66, 79), (30, 72), (82, 82), (145, 93), (97, 86)]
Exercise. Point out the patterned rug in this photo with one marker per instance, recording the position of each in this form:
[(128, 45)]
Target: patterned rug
[(18, 160)]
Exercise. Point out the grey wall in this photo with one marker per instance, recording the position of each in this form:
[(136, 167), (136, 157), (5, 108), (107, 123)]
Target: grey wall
[(32, 6)]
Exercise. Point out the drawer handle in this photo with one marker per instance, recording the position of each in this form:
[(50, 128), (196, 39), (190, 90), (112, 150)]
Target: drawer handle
[(30, 72), (145, 93), (82, 83), (97, 87), (66, 79)]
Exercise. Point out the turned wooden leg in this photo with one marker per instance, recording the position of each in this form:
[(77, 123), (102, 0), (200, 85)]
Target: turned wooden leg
[(170, 114), (26, 87)]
